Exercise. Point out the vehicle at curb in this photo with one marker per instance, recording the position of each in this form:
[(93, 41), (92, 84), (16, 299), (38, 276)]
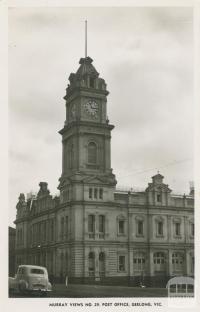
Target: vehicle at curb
[(180, 286), (30, 279)]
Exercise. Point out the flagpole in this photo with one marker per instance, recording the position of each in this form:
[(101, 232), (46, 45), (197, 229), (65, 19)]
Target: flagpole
[(85, 38)]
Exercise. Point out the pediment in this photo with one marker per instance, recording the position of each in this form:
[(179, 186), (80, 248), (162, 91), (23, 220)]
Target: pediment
[(94, 179), (158, 188)]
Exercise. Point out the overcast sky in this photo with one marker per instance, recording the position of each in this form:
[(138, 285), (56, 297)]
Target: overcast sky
[(145, 56)]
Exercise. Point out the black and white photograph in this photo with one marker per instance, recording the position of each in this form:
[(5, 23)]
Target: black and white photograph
[(101, 153)]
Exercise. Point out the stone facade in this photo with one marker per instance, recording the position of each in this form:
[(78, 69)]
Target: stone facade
[(93, 232), (11, 250)]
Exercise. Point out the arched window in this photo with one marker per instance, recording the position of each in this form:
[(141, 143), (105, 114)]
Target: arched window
[(92, 153), (91, 263)]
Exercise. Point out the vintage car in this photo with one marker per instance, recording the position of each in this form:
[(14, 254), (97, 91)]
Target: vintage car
[(30, 278)]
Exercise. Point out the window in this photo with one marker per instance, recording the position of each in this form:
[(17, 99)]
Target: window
[(159, 261), (177, 261), (90, 192), (192, 265), (92, 82), (91, 223), (91, 263), (177, 229), (101, 224), (160, 228), (101, 193), (139, 262), (121, 263), (140, 227), (37, 271), (95, 193), (121, 226), (92, 153), (102, 264), (159, 198)]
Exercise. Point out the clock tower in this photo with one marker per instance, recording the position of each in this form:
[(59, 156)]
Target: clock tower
[(86, 135)]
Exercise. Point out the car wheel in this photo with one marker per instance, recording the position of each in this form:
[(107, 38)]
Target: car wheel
[(22, 288)]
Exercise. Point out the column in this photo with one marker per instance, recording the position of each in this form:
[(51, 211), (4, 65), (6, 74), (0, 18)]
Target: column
[(96, 252), (131, 262), (96, 230), (106, 262), (170, 267), (151, 263), (187, 263)]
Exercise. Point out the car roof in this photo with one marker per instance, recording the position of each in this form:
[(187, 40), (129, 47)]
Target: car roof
[(31, 266)]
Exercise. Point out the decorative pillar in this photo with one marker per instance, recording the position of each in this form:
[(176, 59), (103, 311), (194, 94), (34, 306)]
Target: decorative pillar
[(151, 263), (187, 263), (170, 268), (96, 252), (131, 262)]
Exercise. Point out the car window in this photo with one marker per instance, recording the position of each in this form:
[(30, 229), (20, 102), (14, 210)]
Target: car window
[(37, 271), (21, 270)]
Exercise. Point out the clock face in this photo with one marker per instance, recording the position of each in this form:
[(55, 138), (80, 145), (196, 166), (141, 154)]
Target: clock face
[(91, 108)]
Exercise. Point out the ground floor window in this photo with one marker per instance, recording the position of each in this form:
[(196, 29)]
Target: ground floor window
[(121, 264), (139, 262), (102, 264), (91, 263), (159, 261), (177, 261)]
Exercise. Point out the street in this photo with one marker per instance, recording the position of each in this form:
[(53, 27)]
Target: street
[(97, 291)]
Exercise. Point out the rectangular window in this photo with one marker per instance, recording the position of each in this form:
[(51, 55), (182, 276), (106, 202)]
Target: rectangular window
[(121, 227), (140, 227), (121, 263), (92, 82), (101, 193), (160, 228), (90, 192), (159, 198), (91, 223), (101, 224), (177, 228), (95, 193)]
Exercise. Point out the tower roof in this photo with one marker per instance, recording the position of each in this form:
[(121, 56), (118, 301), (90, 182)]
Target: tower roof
[(86, 68), (86, 77)]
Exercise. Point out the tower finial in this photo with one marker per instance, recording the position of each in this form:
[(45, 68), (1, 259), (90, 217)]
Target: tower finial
[(85, 38)]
